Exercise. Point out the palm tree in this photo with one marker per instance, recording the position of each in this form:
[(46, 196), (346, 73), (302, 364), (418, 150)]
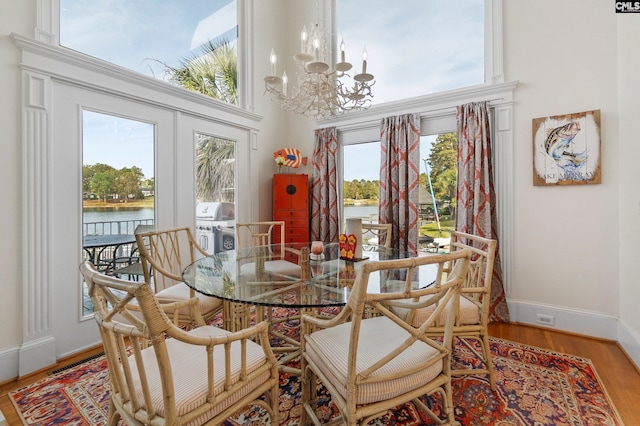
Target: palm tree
[(213, 73), (215, 169)]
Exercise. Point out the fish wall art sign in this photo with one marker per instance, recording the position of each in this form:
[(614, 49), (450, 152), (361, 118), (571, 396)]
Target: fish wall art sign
[(566, 149)]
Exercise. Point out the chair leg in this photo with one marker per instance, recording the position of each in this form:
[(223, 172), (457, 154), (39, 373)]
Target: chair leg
[(486, 348), (305, 397)]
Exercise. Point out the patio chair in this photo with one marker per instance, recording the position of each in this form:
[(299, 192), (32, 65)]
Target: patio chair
[(371, 365), (133, 266), (161, 374), (164, 254)]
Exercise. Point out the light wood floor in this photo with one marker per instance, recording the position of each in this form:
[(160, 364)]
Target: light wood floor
[(620, 376)]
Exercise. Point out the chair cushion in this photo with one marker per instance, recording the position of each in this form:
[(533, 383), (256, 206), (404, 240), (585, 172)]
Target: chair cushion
[(189, 367), (280, 268), (469, 314), (329, 350), (181, 291)]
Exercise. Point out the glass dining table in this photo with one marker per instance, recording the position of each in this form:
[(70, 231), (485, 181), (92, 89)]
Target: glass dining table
[(266, 277)]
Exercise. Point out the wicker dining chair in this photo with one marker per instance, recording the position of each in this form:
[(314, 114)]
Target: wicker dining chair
[(161, 374), (269, 236), (379, 232), (275, 261), (370, 365), (473, 315), (164, 254)]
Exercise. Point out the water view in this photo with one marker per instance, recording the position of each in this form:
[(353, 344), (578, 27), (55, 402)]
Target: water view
[(109, 220)]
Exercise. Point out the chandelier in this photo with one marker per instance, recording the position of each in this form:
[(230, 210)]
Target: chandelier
[(320, 91)]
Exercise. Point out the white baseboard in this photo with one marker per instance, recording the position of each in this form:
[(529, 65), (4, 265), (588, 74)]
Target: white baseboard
[(630, 341), (9, 363), (564, 319), (36, 355), (593, 324)]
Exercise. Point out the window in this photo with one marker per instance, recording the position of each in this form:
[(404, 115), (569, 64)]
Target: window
[(117, 191), (157, 38), (436, 192), (434, 45)]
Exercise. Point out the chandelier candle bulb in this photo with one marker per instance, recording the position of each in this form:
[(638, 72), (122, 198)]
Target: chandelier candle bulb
[(303, 39), (273, 60), (364, 61), (342, 51), (284, 83)]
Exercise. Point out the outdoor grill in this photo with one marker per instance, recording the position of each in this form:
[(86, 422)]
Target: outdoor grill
[(215, 226)]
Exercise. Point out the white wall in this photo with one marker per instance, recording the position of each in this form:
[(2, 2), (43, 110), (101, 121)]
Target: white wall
[(629, 175), (566, 241), (575, 248)]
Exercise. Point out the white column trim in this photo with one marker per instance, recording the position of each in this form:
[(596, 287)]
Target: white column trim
[(503, 178), (38, 344)]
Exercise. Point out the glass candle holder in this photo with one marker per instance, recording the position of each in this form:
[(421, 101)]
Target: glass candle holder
[(317, 248)]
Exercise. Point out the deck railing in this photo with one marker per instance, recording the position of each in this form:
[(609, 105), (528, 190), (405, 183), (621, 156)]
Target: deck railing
[(124, 227)]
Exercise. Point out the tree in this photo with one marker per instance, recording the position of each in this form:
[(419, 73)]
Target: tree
[(215, 169), (102, 183), (214, 73), (129, 181), (443, 167)]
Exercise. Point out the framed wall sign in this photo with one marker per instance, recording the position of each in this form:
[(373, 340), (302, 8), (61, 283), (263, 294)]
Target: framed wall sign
[(566, 149)]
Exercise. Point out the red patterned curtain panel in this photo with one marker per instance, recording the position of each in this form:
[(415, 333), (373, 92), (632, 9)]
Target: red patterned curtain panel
[(476, 196), (324, 187), (399, 179)]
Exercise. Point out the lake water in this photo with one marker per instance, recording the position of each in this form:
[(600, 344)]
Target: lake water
[(100, 214), (133, 216), (105, 221), (361, 211)]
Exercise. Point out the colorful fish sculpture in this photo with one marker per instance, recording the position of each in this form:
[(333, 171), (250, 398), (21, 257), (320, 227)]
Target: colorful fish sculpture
[(291, 157)]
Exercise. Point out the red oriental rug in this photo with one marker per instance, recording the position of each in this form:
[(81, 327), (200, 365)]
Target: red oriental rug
[(535, 387)]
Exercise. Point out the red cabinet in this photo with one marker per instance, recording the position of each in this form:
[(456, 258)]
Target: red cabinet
[(291, 205)]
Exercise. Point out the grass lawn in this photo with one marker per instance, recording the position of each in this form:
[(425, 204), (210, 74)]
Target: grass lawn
[(431, 229)]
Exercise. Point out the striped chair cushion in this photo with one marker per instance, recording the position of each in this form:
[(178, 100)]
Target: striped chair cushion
[(189, 367), (181, 291), (469, 314), (329, 349)]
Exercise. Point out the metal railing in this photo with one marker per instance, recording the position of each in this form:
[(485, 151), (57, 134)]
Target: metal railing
[(124, 227)]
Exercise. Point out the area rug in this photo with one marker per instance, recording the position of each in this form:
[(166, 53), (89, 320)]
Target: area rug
[(535, 387)]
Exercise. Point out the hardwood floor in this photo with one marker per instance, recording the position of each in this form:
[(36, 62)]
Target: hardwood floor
[(620, 376)]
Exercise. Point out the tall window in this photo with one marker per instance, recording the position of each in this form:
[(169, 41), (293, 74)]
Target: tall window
[(437, 183), (415, 47), (118, 188), (159, 38)]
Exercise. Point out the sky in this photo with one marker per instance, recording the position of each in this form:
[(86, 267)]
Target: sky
[(433, 44)]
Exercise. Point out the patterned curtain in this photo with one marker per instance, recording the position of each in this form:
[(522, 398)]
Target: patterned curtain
[(324, 187), (476, 196), (399, 179)]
